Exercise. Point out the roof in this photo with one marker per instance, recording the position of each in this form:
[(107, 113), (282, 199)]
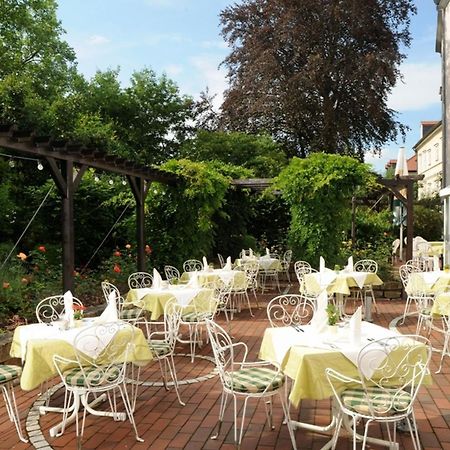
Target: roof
[(411, 163), (437, 125)]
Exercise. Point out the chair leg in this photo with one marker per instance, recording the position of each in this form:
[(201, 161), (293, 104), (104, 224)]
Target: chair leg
[(173, 374), (126, 402), (412, 425), (287, 418), (444, 351), (241, 432), (269, 413), (407, 306), (223, 404), (248, 302), (11, 407)]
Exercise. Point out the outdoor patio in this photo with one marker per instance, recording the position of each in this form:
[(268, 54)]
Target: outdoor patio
[(164, 424)]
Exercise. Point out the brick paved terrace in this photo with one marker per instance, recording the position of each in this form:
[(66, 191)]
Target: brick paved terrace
[(164, 424)]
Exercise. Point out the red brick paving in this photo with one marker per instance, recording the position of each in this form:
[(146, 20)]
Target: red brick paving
[(165, 424)]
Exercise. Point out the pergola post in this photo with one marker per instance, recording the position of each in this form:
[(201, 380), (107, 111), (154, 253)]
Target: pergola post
[(409, 219)]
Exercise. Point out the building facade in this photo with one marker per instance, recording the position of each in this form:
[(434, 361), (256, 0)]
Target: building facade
[(429, 159)]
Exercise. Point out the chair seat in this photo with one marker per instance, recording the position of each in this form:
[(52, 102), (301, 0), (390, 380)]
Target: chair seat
[(159, 347), (255, 380), (9, 372), (91, 376), (384, 402), (192, 317), (130, 313)]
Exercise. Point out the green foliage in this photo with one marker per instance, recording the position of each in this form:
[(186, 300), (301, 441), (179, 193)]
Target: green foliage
[(318, 190), (428, 223), (332, 313), (256, 152)]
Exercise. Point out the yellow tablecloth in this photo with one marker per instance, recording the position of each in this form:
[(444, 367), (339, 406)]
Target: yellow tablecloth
[(428, 282), (39, 365), (264, 263), (306, 367), (217, 276), (436, 248), (441, 305), (342, 283), (155, 300)]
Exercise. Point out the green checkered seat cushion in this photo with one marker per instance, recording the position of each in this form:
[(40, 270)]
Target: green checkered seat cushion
[(255, 380), (159, 347), (384, 402), (91, 376), (192, 317), (8, 373), (130, 313)]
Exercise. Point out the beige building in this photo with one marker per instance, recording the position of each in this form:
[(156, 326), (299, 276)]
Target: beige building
[(429, 159)]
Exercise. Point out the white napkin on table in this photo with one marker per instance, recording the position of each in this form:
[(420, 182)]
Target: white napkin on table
[(68, 306), (193, 280), (436, 262), (355, 327), (321, 265), (349, 266), (360, 278), (320, 319), (227, 266), (250, 252), (157, 280), (267, 252), (205, 263), (110, 313)]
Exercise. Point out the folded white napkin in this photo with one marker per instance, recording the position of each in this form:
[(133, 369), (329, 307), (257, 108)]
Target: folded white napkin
[(193, 280), (321, 265), (110, 313), (157, 280), (355, 327), (250, 253), (319, 321), (436, 262), (68, 307), (360, 278), (227, 266), (267, 252), (205, 263), (325, 278), (349, 266)]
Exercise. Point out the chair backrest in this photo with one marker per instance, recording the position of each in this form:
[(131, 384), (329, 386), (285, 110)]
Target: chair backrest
[(251, 269), (395, 246), (287, 256), (52, 308), (171, 273), (405, 271), (223, 351), (366, 265), (140, 280), (107, 289), (191, 265), (221, 260), (172, 317), (417, 264), (300, 268), (396, 366), (290, 309), (105, 347), (243, 253)]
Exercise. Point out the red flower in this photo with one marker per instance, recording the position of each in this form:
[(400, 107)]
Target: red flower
[(117, 253), (6, 285), (42, 249), (148, 249), (117, 268), (76, 307)]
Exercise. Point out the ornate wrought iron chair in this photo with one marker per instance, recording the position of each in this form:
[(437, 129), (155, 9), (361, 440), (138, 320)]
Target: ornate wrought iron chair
[(140, 280), (51, 308), (191, 265), (290, 309)]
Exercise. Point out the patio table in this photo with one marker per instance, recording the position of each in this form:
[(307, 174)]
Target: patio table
[(236, 277), (155, 299), (265, 263), (432, 281)]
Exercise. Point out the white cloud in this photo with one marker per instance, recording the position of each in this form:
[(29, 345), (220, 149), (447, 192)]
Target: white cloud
[(173, 70), (214, 44), (97, 39), (157, 39), (419, 88), (213, 76)]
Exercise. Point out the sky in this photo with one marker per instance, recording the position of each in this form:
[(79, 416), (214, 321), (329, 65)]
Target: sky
[(182, 39)]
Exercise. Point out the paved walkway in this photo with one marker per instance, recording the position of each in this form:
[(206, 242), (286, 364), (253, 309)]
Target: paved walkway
[(165, 424)]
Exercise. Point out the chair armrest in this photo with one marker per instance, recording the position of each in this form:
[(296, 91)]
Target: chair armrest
[(157, 333), (331, 373)]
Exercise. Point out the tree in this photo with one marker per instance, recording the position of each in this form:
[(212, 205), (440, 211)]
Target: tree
[(315, 73)]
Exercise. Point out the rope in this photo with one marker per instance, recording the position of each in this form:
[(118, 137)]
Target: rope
[(28, 226), (104, 239)]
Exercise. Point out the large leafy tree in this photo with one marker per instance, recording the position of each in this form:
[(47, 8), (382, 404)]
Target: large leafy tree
[(315, 73)]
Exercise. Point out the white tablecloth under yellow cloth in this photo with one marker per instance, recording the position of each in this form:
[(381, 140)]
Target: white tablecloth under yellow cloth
[(341, 283), (154, 300), (39, 367), (306, 364), (237, 277), (264, 262)]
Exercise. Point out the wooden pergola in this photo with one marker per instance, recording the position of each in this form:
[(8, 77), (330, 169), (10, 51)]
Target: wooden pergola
[(68, 162)]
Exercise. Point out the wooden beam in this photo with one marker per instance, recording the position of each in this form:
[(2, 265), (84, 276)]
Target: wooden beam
[(68, 244)]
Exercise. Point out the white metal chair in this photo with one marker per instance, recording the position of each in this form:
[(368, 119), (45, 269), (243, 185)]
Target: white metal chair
[(191, 265), (251, 269), (242, 379), (172, 274), (286, 264), (129, 313), (239, 292), (391, 371), (51, 309), (100, 367), (371, 266), (162, 344), (270, 272), (139, 280), (416, 294), (9, 374), (300, 269), (290, 309)]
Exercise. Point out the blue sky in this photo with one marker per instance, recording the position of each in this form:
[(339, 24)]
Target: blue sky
[(182, 38)]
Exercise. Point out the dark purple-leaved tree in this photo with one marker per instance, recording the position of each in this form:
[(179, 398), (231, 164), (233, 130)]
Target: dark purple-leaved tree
[(316, 74)]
